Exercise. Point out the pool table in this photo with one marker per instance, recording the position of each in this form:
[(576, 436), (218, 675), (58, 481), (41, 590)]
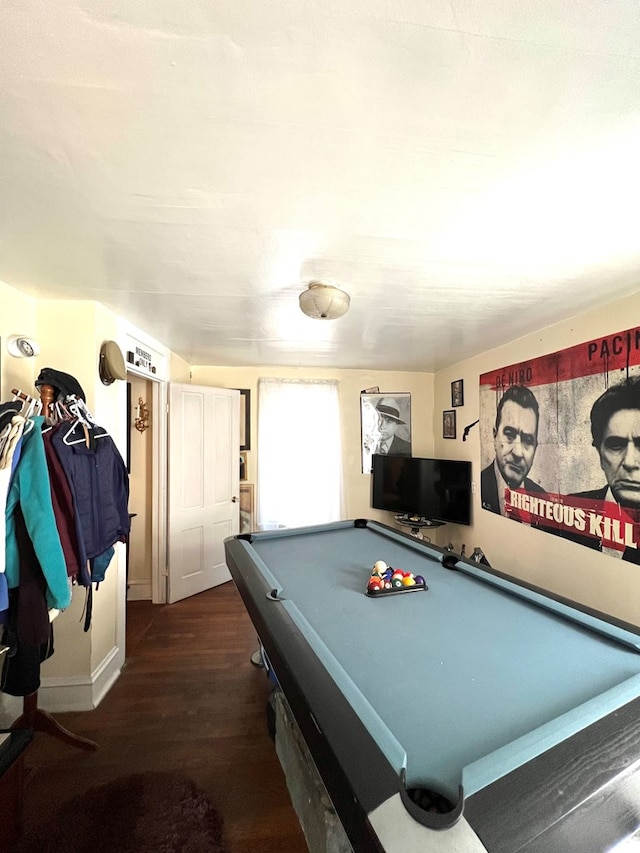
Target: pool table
[(474, 714)]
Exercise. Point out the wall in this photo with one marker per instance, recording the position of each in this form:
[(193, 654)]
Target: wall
[(17, 317), (356, 484), (179, 370), (589, 577)]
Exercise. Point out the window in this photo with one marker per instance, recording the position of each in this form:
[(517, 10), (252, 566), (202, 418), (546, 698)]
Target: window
[(300, 453)]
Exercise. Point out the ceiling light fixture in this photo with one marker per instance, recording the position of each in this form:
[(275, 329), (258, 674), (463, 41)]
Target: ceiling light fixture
[(324, 301)]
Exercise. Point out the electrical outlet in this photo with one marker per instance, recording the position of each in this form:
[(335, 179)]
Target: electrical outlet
[(474, 487)]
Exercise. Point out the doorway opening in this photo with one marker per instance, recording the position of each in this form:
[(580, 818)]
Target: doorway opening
[(146, 433)]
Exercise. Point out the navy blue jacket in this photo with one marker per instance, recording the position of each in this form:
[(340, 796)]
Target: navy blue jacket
[(99, 484)]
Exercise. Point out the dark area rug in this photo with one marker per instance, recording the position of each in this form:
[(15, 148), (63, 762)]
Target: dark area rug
[(158, 812)]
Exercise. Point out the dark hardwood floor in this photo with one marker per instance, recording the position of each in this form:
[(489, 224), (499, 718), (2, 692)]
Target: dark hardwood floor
[(188, 699)]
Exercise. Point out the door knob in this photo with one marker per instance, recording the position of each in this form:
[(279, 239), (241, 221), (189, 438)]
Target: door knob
[(234, 500)]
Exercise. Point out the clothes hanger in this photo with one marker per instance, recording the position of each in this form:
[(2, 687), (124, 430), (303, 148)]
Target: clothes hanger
[(84, 418), (57, 415), (77, 410), (91, 422), (24, 422), (4, 435), (33, 404)]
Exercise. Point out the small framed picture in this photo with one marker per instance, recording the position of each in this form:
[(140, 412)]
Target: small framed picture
[(449, 423), (247, 510), (457, 393), (243, 465)]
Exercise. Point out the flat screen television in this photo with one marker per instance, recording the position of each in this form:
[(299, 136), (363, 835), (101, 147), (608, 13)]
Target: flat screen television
[(434, 489)]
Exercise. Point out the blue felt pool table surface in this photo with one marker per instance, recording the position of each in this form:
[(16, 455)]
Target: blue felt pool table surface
[(451, 674), (461, 683)]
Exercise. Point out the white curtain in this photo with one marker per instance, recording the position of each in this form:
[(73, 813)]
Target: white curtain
[(300, 453)]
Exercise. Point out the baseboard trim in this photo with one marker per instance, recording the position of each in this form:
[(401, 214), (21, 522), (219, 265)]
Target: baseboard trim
[(139, 591), (81, 693)]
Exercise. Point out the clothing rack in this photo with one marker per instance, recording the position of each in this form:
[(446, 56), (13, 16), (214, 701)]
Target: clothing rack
[(32, 716), (37, 720)]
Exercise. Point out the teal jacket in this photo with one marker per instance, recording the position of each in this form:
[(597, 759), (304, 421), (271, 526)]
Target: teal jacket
[(30, 487)]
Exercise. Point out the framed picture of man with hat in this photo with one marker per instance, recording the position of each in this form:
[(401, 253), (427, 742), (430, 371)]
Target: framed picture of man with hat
[(385, 421)]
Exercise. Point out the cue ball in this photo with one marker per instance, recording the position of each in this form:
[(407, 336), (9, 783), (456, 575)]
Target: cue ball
[(379, 567)]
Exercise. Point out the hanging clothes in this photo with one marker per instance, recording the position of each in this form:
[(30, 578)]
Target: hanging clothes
[(67, 492), (10, 447), (9, 455), (31, 489), (99, 483), (28, 632), (62, 502)]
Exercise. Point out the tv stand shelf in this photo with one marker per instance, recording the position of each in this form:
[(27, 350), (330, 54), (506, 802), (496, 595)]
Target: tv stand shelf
[(417, 523)]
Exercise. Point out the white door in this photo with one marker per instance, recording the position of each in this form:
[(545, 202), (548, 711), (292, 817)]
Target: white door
[(203, 481)]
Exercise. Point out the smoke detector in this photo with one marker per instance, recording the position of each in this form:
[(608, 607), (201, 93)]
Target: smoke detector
[(20, 346)]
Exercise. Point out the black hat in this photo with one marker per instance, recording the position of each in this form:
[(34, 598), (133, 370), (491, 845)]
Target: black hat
[(65, 384)]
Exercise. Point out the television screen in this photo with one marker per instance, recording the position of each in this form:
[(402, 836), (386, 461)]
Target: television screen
[(435, 489)]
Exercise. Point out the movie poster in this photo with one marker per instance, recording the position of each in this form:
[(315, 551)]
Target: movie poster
[(560, 443)]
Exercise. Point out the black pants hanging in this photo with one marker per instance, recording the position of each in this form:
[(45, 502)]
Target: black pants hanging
[(28, 632)]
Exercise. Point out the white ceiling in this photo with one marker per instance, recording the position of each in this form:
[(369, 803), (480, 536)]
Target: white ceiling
[(468, 170)]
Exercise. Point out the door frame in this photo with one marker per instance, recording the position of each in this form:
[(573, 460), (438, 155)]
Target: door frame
[(158, 485), (159, 489), (159, 508)]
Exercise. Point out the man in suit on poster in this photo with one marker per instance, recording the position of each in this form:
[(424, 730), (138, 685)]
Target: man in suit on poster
[(615, 430), (389, 420), (515, 438)]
